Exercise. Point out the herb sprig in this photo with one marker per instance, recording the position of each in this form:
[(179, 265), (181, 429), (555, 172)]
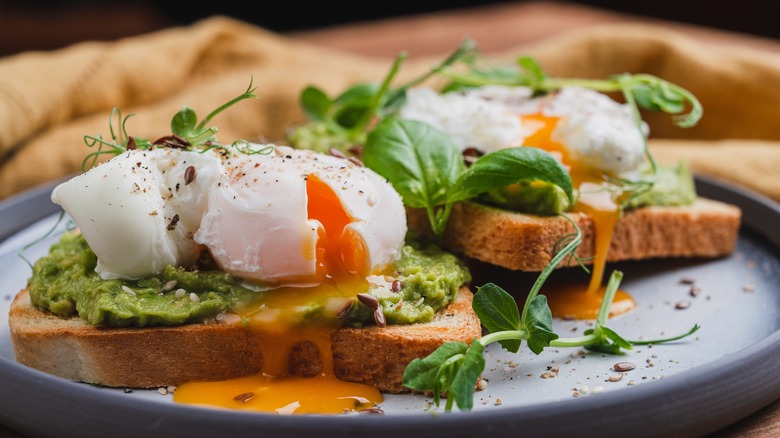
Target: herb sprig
[(186, 133), (454, 368), (343, 121), (638, 90), (426, 168)]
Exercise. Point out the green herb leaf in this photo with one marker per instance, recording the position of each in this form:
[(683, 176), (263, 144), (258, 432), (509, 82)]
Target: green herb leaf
[(423, 374), (184, 122), (315, 103), (538, 325), (511, 166), (471, 367), (531, 66), (614, 337), (419, 161), (497, 311)]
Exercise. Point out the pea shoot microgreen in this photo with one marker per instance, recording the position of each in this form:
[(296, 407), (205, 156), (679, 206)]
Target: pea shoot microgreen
[(186, 133), (454, 368), (342, 122), (638, 90)]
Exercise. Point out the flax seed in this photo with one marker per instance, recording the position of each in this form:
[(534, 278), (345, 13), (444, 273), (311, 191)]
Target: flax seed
[(368, 300), (245, 397), (379, 317), (189, 175)]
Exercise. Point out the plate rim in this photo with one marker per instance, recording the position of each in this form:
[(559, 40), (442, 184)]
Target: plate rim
[(693, 402)]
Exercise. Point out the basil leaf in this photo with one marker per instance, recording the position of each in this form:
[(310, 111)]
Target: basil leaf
[(465, 380), (315, 103), (497, 311), (511, 166), (538, 325), (418, 160), (422, 374)]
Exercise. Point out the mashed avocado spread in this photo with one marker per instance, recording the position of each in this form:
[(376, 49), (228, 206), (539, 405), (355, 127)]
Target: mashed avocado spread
[(65, 283), (674, 186)]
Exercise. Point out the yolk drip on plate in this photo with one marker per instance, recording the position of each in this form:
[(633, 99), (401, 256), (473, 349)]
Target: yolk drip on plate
[(577, 301), (281, 323)]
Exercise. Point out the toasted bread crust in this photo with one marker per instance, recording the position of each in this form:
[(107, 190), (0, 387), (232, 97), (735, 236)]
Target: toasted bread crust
[(163, 356), (525, 242)]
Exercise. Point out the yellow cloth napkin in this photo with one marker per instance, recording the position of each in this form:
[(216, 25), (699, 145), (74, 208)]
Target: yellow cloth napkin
[(50, 100)]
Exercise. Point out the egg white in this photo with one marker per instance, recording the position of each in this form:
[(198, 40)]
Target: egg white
[(248, 210), (598, 131)]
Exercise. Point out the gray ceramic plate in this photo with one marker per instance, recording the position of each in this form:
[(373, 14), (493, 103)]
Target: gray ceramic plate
[(729, 369)]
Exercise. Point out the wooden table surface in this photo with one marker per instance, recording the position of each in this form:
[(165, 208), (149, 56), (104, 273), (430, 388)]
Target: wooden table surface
[(503, 26)]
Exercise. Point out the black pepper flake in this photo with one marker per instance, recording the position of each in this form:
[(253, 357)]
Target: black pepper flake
[(174, 221), (131, 146), (687, 280)]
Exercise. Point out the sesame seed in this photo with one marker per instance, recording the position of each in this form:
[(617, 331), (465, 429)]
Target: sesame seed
[(128, 290), (615, 377), (194, 297), (168, 286), (180, 293), (162, 391)]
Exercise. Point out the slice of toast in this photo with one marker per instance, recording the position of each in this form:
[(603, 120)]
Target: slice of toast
[(525, 242), (163, 356)]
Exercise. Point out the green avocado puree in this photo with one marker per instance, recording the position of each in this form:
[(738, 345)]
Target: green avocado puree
[(65, 283), (674, 186)]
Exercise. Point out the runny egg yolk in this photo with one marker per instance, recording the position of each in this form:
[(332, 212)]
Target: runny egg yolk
[(340, 252), (279, 322), (572, 301)]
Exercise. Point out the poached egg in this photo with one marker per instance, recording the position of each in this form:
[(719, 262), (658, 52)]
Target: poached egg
[(593, 135), (311, 227), (286, 216), (582, 124)]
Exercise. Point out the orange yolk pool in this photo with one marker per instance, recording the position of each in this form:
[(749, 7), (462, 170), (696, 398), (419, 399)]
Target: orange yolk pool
[(576, 301), (277, 319)]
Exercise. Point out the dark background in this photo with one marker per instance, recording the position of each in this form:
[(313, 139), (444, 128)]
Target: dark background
[(51, 24)]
